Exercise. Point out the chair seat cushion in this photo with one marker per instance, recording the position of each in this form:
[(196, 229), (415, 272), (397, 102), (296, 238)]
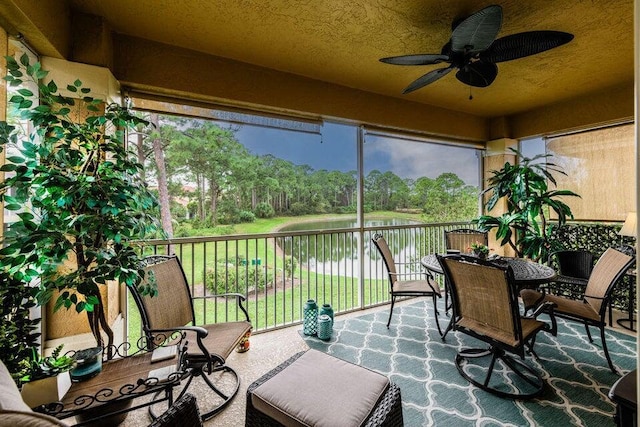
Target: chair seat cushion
[(222, 338), (529, 327), (415, 287), (564, 306), (320, 390)]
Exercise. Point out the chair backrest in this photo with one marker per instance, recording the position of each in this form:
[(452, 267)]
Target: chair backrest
[(574, 263), (606, 273), (461, 239), (484, 294), (387, 257), (172, 306)]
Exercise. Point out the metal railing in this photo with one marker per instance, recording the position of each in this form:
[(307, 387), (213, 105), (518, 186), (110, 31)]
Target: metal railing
[(279, 272)]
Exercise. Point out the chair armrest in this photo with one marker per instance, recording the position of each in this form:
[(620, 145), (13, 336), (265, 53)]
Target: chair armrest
[(546, 307), (239, 299)]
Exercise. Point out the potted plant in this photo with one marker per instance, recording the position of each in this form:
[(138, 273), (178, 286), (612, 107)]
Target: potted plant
[(479, 250), (81, 205), (526, 227), (47, 379)]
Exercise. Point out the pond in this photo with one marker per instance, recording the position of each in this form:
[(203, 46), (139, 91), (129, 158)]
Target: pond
[(338, 252)]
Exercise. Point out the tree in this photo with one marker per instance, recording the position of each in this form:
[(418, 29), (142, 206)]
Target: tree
[(211, 155), (86, 207)]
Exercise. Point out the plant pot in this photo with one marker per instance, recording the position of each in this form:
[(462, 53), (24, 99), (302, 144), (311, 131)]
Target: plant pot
[(481, 255), (89, 364), (46, 390)]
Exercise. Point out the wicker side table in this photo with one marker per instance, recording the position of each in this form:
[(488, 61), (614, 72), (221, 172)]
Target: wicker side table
[(387, 411)]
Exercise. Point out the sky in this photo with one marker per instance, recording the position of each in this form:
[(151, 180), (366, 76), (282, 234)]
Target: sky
[(335, 149)]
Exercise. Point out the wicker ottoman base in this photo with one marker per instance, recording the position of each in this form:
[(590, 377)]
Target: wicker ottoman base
[(387, 411)]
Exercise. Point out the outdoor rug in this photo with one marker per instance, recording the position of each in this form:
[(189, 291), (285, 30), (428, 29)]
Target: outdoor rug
[(413, 356)]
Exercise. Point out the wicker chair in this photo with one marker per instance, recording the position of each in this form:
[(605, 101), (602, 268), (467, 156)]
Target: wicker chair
[(406, 288), (591, 309), (574, 267), (172, 310), (485, 306), (184, 413)]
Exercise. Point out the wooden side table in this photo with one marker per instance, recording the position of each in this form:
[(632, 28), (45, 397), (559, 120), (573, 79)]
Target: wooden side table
[(114, 390), (625, 395)]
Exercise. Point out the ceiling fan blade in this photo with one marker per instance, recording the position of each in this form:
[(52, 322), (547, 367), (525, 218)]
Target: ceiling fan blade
[(421, 59), (524, 44), (430, 77), (478, 31), (478, 74)]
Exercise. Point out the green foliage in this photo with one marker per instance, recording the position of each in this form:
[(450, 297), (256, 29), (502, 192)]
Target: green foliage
[(290, 266), (17, 330), (246, 216), (264, 210), (84, 199), (236, 278), (525, 186), (49, 366)]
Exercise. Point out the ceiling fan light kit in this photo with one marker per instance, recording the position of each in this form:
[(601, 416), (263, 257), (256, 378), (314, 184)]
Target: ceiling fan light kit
[(474, 50)]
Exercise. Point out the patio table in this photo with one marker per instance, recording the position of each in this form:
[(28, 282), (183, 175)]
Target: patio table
[(527, 274)]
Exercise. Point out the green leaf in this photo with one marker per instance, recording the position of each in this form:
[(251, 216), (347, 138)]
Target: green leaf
[(25, 92), (72, 88)]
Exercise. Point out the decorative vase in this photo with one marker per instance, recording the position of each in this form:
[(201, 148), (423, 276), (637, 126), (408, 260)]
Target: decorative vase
[(88, 364), (310, 322), (46, 390), (325, 327), (326, 309)]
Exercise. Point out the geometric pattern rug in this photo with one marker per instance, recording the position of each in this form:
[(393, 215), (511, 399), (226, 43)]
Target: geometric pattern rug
[(413, 356)]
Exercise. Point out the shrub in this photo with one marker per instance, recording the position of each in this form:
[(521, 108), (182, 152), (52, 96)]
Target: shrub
[(236, 278), (264, 210), (246, 216), (290, 266)]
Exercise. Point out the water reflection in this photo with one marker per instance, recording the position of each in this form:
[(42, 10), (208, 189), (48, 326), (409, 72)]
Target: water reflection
[(338, 252)]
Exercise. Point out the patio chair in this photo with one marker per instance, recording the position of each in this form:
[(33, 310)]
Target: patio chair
[(461, 239), (573, 266), (592, 307), (172, 310), (427, 287), (485, 306)]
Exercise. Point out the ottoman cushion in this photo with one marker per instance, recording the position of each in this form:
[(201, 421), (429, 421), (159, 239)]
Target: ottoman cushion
[(320, 390)]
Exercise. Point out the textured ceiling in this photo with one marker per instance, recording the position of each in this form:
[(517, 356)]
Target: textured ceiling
[(341, 41)]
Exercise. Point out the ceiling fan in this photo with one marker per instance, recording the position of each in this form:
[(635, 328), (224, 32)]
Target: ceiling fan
[(474, 50)]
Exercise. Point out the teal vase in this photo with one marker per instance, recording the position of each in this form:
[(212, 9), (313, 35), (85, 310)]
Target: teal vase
[(325, 327), (310, 321), (326, 309)]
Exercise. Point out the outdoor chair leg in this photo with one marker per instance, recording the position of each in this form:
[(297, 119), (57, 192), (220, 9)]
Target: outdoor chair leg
[(606, 351), (586, 326), (435, 313), (393, 301)]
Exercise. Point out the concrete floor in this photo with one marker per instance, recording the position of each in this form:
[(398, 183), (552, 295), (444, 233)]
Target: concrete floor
[(267, 351)]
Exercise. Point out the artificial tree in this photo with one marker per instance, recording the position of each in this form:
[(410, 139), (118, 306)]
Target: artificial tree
[(81, 207), (526, 226)]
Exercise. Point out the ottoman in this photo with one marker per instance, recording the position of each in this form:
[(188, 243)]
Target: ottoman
[(315, 389)]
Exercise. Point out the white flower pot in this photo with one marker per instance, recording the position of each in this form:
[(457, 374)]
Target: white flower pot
[(46, 390)]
